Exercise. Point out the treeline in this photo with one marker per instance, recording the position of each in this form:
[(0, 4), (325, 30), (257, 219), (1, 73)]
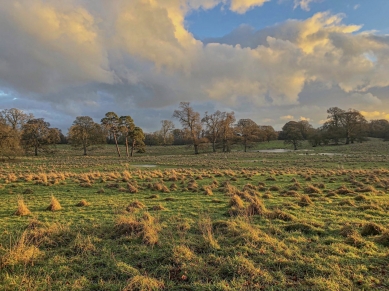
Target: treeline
[(341, 127), (23, 133), (219, 129)]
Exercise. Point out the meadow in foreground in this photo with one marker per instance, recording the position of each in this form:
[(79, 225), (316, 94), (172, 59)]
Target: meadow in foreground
[(238, 221)]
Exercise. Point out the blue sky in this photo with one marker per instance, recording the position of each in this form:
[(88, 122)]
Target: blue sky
[(268, 60), (219, 21)]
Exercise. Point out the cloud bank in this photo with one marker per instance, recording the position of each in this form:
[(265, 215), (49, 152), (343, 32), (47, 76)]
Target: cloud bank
[(89, 57)]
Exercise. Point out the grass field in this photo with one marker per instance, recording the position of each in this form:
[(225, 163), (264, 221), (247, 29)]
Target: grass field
[(316, 219)]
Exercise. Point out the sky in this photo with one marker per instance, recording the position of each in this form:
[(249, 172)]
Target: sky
[(269, 60)]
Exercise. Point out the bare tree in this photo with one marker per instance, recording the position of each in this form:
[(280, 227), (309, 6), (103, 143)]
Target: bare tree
[(15, 118), (111, 123), (85, 132), (167, 127), (190, 121), (214, 124)]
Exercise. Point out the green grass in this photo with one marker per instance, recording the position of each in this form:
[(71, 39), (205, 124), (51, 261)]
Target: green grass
[(186, 240)]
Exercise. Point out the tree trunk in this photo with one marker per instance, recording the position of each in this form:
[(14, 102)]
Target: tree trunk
[(196, 148), (36, 150), (245, 146), (132, 148), (295, 145), (214, 146), (127, 147), (85, 151), (117, 146)]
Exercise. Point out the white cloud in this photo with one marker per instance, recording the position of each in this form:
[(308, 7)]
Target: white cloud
[(287, 117), (304, 4)]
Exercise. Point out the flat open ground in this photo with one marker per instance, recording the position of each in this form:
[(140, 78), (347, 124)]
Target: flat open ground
[(305, 220)]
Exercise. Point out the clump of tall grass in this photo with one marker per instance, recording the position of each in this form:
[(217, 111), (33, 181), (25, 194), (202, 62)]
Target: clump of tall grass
[(82, 245), (208, 191), (158, 207), (343, 190), (131, 188), (83, 203), (305, 201), (310, 189), (256, 207), (54, 204), (205, 226), (145, 227), (21, 252), (281, 215), (135, 205), (144, 283), (22, 208)]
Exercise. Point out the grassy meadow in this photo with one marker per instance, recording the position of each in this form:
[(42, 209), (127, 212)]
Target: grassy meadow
[(315, 219)]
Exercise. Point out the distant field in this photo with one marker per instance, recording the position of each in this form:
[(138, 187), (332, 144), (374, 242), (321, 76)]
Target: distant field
[(315, 219)]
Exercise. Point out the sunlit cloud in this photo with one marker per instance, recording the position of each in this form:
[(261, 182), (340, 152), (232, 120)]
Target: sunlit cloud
[(287, 117), (370, 115), (84, 56), (241, 6)]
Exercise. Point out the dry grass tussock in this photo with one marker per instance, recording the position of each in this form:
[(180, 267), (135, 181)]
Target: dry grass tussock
[(54, 204), (22, 208), (83, 244), (145, 227), (205, 226), (208, 191), (131, 188), (21, 252), (50, 235), (144, 283), (305, 201), (158, 207), (281, 215), (236, 201), (310, 189), (83, 203), (135, 205), (160, 187), (256, 207)]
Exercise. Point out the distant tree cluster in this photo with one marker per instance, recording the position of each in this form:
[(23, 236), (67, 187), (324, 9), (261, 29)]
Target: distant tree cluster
[(21, 132), (219, 129), (341, 127)]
